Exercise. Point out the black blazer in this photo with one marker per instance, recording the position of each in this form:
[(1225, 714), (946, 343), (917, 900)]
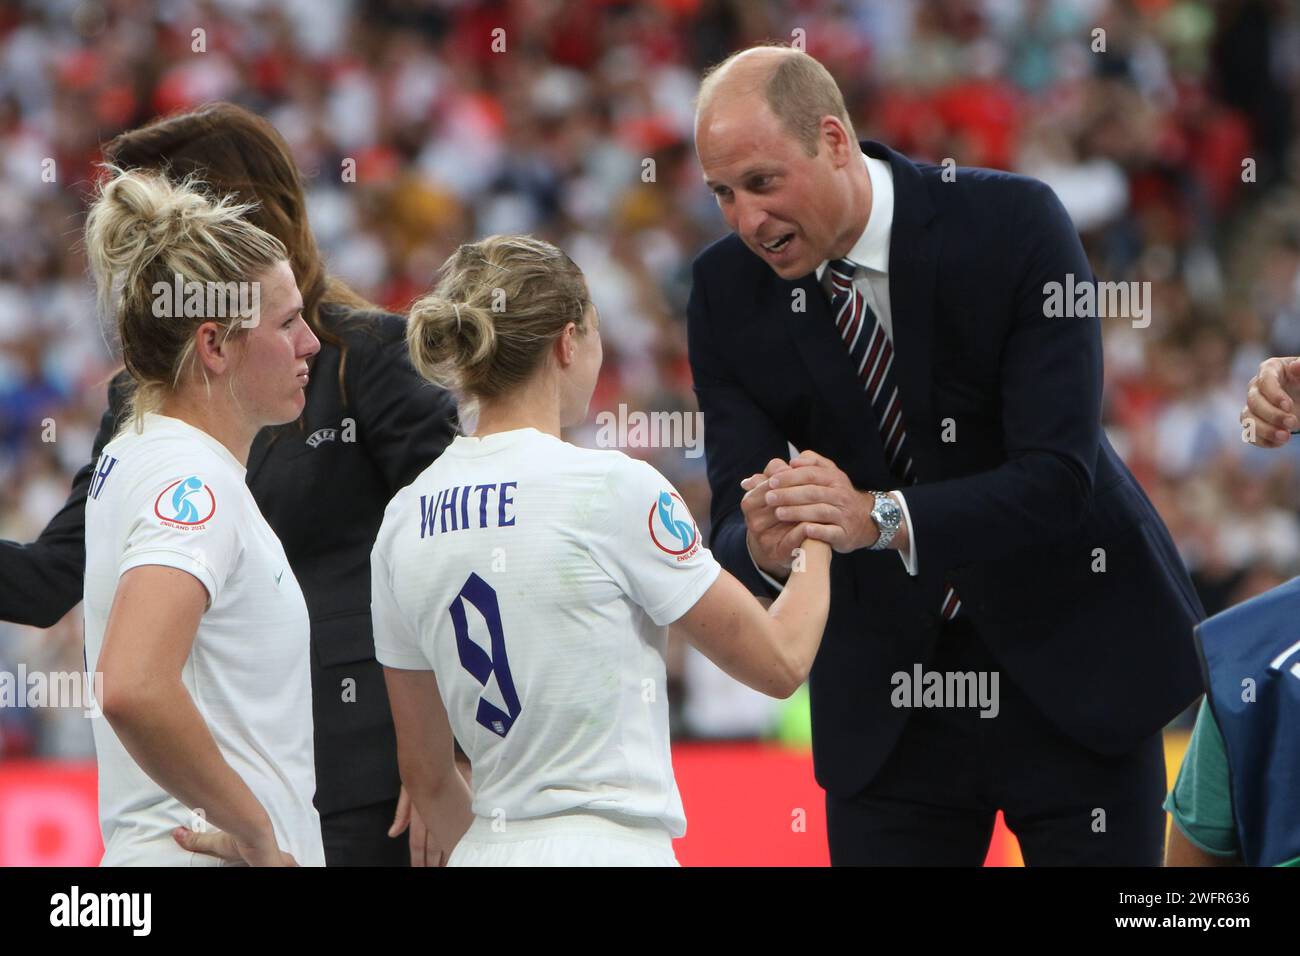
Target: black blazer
[(1011, 512), (322, 486)]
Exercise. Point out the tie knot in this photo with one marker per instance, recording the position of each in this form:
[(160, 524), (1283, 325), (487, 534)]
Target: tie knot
[(842, 271)]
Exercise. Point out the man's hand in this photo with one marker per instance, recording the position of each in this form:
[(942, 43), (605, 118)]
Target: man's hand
[(1270, 402), (424, 850), (816, 496), (772, 542), (221, 844)]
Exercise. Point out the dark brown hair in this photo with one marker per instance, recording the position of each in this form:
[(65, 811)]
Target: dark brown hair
[(238, 153)]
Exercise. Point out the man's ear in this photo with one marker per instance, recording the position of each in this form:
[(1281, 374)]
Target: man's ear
[(836, 138)]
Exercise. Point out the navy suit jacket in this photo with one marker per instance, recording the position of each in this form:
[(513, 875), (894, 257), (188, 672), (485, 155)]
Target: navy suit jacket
[(1020, 510)]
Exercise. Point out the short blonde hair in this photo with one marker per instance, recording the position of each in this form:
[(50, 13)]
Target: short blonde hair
[(143, 230), (499, 304), (799, 91)]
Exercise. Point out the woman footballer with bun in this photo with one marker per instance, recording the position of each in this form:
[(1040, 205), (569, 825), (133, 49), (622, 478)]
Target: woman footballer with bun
[(369, 426), (522, 589), (193, 616)]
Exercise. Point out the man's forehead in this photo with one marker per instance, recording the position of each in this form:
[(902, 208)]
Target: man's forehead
[(726, 114), (738, 139)]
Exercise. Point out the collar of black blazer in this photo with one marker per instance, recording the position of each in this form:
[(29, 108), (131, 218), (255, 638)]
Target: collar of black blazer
[(913, 260), (908, 180)]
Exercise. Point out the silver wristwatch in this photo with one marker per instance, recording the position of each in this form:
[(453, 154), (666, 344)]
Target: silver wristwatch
[(888, 518)]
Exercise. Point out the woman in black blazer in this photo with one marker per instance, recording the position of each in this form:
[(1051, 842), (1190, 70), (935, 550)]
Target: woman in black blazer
[(369, 427)]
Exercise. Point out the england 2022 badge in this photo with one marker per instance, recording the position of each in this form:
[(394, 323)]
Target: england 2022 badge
[(186, 504), (672, 528)]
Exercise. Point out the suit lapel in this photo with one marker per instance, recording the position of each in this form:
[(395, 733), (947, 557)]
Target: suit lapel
[(831, 370), (815, 338), (913, 260)]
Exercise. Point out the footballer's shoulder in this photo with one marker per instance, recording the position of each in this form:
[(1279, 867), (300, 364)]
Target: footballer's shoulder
[(164, 440), (608, 469), (148, 465), (598, 461), (620, 470)]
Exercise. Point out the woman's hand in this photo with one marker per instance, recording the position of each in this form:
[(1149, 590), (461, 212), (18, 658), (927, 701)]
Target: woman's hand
[(264, 852), (424, 851)]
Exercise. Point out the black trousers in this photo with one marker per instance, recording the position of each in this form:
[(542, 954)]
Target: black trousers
[(359, 837), (934, 801)]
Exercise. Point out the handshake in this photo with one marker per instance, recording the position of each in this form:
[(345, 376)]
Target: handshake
[(1269, 417), (808, 497)]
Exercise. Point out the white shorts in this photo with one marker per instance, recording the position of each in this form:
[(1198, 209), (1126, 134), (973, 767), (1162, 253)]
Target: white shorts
[(566, 839)]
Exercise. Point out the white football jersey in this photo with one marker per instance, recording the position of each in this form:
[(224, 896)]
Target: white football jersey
[(173, 495), (537, 580)]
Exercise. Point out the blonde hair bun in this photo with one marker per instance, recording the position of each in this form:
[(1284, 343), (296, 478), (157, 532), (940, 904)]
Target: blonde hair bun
[(498, 306)]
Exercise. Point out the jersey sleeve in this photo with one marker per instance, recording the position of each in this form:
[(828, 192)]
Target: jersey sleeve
[(396, 643), (189, 521), (1201, 801), (649, 543)]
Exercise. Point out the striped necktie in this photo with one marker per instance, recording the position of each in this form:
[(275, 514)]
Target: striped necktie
[(872, 355)]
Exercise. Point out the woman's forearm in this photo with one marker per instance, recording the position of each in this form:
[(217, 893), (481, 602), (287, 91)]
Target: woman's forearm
[(166, 735), (800, 610), (770, 650)]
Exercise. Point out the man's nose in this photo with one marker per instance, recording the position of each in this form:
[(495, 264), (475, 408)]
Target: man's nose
[(750, 216)]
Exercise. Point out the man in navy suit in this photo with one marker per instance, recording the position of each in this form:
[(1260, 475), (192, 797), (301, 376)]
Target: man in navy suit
[(1031, 634)]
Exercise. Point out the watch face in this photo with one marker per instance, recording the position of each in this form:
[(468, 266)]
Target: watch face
[(888, 516), (887, 512)]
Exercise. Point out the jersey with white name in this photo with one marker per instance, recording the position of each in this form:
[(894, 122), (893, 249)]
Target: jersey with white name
[(537, 579), (172, 495)]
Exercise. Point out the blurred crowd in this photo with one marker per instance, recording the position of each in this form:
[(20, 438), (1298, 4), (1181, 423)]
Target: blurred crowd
[(1167, 127)]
